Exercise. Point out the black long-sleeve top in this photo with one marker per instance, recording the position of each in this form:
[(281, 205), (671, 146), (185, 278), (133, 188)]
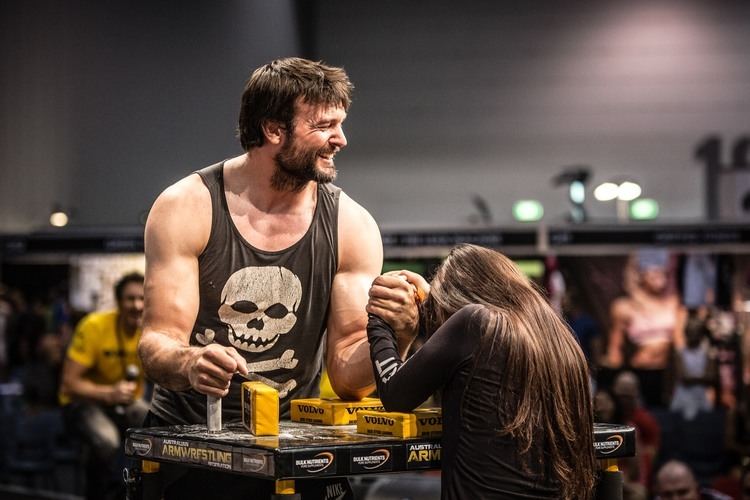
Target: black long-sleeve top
[(478, 461)]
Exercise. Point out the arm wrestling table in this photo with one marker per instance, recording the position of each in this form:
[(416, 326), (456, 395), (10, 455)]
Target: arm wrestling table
[(305, 451)]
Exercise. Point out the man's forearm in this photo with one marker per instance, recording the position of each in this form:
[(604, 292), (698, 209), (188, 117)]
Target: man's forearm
[(166, 360), (351, 373), (82, 389)]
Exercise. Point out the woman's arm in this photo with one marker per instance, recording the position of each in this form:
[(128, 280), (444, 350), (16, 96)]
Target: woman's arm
[(404, 385)]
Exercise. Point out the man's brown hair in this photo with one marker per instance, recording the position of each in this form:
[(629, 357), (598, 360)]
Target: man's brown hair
[(272, 92)]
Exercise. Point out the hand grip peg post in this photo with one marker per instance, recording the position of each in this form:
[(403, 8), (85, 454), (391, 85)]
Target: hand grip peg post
[(213, 413)]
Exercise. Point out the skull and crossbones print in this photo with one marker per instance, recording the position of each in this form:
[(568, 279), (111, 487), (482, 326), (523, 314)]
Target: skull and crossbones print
[(259, 305)]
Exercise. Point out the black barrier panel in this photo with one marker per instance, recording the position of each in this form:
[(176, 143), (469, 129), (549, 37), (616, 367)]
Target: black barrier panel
[(488, 238), (651, 236), (21, 245)]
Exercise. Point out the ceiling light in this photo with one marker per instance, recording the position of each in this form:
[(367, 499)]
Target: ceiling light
[(628, 191), (644, 209), (58, 218), (527, 211), (606, 191)]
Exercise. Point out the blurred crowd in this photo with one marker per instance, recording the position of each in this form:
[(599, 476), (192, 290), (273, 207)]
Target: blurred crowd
[(667, 356), (34, 332), (70, 385)]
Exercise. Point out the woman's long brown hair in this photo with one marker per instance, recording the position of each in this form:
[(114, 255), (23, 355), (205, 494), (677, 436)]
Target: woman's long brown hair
[(544, 395)]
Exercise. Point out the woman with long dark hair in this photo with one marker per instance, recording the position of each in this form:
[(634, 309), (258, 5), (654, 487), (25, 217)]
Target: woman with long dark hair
[(517, 411)]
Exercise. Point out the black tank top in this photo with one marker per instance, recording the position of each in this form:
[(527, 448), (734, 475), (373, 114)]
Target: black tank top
[(271, 306)]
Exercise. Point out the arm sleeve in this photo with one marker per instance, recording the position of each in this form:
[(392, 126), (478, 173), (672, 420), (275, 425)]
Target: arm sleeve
[(402, 386)]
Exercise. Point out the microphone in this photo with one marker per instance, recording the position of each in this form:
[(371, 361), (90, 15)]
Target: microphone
[(131, 375)]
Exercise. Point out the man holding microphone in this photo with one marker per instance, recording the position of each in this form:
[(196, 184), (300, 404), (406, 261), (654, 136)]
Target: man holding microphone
[(102, 385)]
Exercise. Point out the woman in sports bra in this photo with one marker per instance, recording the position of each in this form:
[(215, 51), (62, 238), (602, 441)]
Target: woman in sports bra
[(646, 325)]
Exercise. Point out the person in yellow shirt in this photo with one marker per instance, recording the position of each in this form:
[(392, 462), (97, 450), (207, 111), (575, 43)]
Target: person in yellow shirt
[(102, 384)]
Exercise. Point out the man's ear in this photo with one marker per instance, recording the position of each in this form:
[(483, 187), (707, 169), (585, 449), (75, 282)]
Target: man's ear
[(273, 131)]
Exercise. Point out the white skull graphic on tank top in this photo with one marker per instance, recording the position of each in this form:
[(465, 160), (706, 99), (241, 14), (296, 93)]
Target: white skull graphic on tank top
[(259, 304)]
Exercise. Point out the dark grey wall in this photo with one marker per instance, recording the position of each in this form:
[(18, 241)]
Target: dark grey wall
[(493, 98), (104, 104)]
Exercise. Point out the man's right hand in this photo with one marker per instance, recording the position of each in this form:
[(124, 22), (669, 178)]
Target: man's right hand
[(211, 369), (394, 297), (123, 392)]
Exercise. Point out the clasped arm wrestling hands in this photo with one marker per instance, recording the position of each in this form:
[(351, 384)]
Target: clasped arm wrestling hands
[(394, 297)]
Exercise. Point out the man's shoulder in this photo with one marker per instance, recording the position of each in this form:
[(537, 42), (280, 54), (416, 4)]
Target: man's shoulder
[(180, 215), (189, 188), (352, 213), (360, 245)]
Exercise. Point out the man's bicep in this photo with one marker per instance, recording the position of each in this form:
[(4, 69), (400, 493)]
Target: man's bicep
[(347, 317), (347, 351), (361, 261), (171, 286), (171, 294)]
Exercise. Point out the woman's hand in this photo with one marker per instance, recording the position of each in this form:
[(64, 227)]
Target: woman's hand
[(395, 296)]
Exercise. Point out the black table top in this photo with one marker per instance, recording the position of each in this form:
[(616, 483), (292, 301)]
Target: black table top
[(306, 450)]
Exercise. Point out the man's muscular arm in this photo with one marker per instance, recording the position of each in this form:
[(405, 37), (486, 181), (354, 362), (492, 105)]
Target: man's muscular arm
[(360, 261), (176, 233)]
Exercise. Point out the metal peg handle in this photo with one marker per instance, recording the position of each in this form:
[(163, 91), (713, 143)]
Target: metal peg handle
[(213, 417)]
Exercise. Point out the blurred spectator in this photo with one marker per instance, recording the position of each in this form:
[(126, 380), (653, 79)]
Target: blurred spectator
[(627, 397), (554, 283), (604, 407), (730, 481), (725, 340), (61, 313), (695, 371), (583, 325), (41, 377), (745, 483), (26, 325), (646, 325), (675, 480), (5, 312), (699, 280), (103, 384)]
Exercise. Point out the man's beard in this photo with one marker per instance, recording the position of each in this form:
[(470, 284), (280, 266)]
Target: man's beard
[(295, 168)]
